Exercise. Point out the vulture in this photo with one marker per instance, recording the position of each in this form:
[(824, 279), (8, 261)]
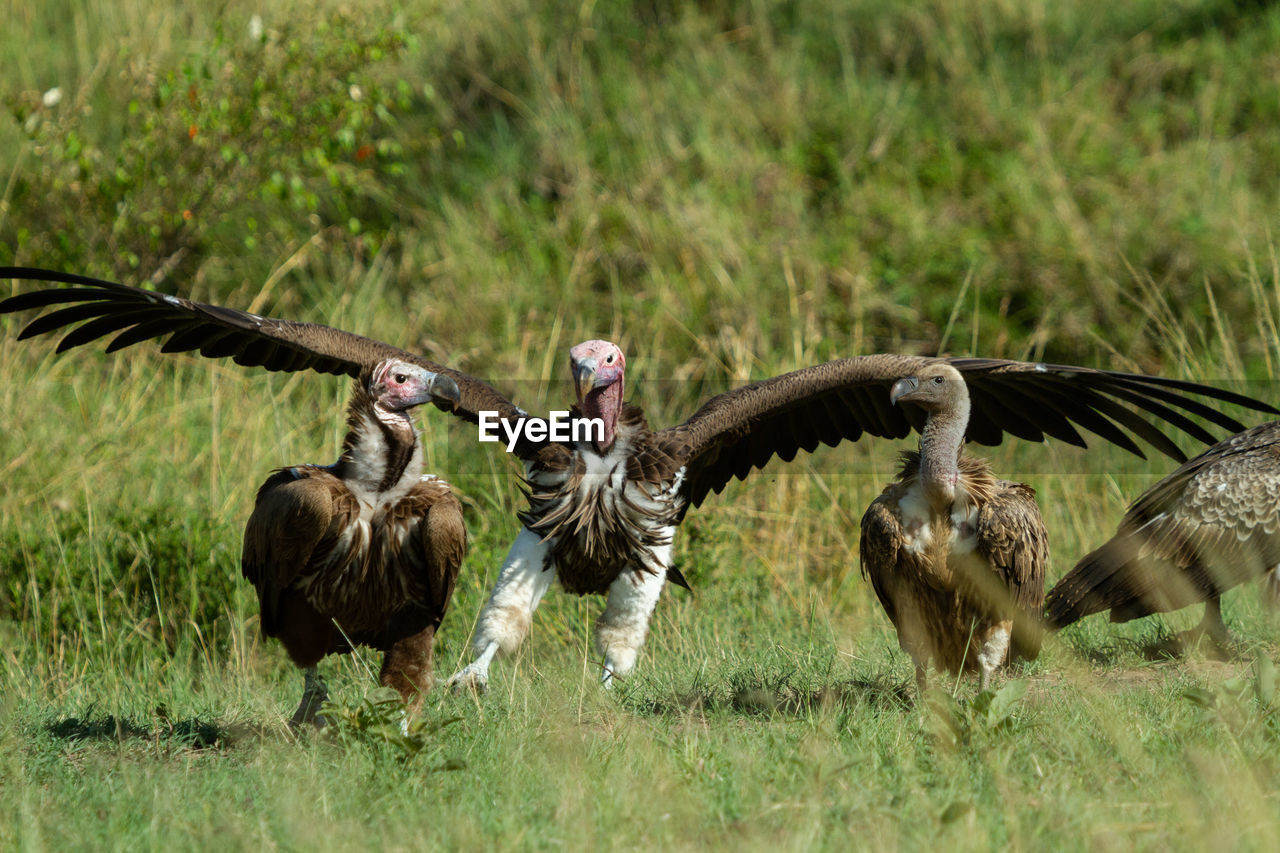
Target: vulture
[(365, 550), (956, 557), (604, 502), (1210, 525)]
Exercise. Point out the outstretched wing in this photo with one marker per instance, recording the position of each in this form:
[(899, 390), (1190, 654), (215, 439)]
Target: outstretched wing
[(97, 308), (840, 400), (1210, 525)]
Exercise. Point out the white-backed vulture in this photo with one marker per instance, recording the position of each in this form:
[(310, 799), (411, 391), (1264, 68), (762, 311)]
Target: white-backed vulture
[(1210, 525), (602, 511), (956, 557)]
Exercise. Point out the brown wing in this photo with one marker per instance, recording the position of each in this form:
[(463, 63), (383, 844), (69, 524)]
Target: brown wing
[(1210, 525), (840, 400), (291, 517), (441, 540), (133, 315), (879, 543), (1012, 538)]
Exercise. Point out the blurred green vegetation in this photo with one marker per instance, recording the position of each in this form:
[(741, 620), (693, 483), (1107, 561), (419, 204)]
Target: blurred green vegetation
[(813, 177)]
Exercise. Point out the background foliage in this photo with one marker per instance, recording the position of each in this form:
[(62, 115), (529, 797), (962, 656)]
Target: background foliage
[(730, 190)]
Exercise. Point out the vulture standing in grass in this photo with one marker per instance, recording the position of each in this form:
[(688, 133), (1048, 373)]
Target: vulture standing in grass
[(956, 557), (365, 550), (603, 508), (1210, 525)]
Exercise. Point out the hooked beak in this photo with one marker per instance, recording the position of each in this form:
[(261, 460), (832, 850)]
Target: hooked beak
[(444, 392), (902, 388), (584, 377)]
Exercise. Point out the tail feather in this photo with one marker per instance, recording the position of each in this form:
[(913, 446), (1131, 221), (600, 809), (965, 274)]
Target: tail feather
[(1107, 578)]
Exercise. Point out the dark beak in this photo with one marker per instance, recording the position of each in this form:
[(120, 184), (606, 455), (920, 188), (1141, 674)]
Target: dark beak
[(901, 388), (444, 392), (584, 377)]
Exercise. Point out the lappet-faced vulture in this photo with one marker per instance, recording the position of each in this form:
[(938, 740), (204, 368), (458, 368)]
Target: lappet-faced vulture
[(603, 510)]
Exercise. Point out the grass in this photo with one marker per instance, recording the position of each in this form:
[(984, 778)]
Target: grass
[(729, 189)]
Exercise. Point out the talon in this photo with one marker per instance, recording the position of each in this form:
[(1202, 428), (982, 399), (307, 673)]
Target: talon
[(468, 678)]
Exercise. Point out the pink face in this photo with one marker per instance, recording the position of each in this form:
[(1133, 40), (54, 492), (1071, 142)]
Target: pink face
[(595, 364), (398, 385)]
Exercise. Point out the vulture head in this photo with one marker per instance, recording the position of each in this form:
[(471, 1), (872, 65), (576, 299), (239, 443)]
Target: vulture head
[(397, 386), (937, 388), (597, 368)]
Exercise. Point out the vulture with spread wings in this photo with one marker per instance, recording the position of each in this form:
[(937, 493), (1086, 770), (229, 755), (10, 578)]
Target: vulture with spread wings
[(602, 512)]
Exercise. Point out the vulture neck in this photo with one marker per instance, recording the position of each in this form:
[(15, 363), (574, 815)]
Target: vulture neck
[(604, 403), (941, 442), (381, 458)]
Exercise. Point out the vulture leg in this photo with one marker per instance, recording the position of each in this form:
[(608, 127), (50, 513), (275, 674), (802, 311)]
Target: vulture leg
[(314, 694), (922, 679), (1271, 587), (1212, 629), (504, 621), (622, 628), (993, 651), (407, 667)]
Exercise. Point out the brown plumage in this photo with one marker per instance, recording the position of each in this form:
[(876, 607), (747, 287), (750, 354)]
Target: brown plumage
[(365, 551), (602, 512), (1210, 525), (956, 557)]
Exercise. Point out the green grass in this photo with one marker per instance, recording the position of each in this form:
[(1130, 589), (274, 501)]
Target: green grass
[(730, 190)]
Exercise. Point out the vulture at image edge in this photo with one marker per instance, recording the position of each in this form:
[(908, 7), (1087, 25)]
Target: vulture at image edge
[(1210, 525), (956, 557), (602, 513)]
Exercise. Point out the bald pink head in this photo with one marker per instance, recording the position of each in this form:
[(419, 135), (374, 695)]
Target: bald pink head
[(598, 368)]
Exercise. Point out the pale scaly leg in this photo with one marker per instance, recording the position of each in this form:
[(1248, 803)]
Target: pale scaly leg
[(993, 652), (622, 628), (314, 694), (504, 621)]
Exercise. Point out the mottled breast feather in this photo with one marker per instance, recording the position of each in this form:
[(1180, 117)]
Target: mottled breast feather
[(935, 599), (602, 514), (381, 575)]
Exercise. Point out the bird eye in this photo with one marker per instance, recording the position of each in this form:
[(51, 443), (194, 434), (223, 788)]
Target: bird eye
[(937, 380), (609, 360), (401, 378)]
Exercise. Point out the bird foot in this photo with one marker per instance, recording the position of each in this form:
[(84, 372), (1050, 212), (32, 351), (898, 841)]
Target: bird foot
[(314, 695), (315, 721), (472, 677), (1191, 641), (1213, 644)]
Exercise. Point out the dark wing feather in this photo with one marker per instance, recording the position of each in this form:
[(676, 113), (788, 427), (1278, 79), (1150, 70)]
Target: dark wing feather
[(840, 400), (444, 542), (1210, 525), (878, 543), (291, 516), (219, 332), (1012, 538)]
